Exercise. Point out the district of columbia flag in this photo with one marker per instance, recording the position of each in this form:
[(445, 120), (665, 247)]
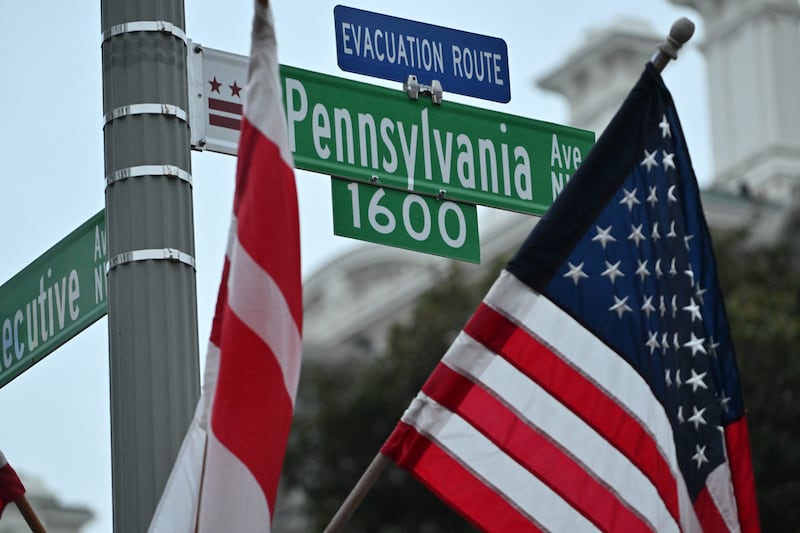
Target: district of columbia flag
[(225, 478), (595, 388), (11, 488)]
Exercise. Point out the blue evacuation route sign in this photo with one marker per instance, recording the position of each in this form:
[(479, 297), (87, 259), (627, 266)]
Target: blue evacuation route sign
[(393, 48)]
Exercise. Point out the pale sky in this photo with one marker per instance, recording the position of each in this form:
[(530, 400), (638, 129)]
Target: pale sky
[(55, 417)]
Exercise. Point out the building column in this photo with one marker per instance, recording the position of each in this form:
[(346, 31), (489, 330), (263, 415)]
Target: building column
[(751, 49)]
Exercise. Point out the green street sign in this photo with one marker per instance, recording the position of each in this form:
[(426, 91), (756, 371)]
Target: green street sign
[(453, 151), (366, 133), (53, 299), (405, 220)]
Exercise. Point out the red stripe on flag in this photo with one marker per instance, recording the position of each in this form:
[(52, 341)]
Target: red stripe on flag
[(534, 451), (455, 485), (737, 442), (266, 205), (578, 394), (252, 411), (224, 122), (11, 488), (223, 105)]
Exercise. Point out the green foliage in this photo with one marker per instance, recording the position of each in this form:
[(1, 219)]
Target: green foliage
[(762, 295), (345, 412)]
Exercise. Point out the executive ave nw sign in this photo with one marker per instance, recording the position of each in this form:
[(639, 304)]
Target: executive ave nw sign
[(377, 135), (53, 299), (392, 48)]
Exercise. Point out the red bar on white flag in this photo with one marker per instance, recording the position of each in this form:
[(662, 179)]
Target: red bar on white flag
[(226, 475), (11, 488)]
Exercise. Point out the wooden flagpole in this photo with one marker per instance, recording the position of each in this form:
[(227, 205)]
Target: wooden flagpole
[(680, 32), (29, 515), (202, 480), (353, 500)]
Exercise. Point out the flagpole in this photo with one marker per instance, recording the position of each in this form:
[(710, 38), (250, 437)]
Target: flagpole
[(29, 515), (202, 481), (680, 32), (353, 500)]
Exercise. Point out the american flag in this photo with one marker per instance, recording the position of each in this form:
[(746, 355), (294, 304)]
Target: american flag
[(596, 388)]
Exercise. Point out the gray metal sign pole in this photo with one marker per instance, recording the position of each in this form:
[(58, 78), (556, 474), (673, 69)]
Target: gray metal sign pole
[(152, 300)]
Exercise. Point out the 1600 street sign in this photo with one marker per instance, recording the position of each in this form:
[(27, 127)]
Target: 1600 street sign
[(405, 220), (377, 135), (53, 299)]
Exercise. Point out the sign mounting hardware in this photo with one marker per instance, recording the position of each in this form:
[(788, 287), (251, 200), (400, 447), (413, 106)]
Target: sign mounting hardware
[(414, 88)]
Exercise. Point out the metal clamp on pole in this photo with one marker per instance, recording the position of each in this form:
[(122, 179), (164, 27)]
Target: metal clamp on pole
[(169, 171), (154, 254), (414, 88), (145, 109), (680, 32), (160, 26)]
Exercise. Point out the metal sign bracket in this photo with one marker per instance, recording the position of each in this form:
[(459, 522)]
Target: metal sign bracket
[(413, 88)]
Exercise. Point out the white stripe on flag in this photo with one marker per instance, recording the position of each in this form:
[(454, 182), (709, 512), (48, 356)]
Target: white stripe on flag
[(251, 290), (539, 409), (720, 488), (228, 484), (210, 374), (496, 469)]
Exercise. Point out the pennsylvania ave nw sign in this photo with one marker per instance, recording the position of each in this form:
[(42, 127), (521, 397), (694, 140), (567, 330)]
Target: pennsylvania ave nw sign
[(377, 135)]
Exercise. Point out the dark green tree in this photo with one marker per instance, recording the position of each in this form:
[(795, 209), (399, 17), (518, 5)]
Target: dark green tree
[(762, 294)]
